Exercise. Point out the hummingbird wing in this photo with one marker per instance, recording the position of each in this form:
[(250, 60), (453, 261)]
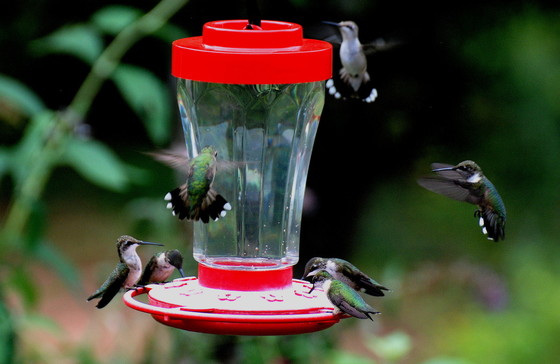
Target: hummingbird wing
[(359, 280), (148, 270), (172, 159), (111, 286), (450, 183), (380, 45), (181, 162), (370, 286), (445, 187)]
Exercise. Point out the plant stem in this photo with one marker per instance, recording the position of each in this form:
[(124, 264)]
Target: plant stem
[(40, 170), (110, 58)]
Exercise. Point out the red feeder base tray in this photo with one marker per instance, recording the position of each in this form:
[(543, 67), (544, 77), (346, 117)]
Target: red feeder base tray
[(187, 305)]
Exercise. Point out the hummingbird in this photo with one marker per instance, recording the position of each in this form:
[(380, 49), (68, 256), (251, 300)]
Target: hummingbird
[(126, 273), (345, 272), (196, 199), (353, 72), (342, 296), (161, 266), (466, 182)]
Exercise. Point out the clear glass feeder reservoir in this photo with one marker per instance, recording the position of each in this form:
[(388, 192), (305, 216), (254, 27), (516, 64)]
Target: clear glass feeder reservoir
[(255, 96)]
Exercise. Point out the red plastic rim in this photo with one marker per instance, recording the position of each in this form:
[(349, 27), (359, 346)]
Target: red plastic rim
[(244, 280), (186, 305), (276, 53)]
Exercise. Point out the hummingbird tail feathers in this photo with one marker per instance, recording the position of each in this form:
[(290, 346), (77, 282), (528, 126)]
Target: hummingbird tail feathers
[(343, 90), (106, 295), (177, 204), (212, 207), (97, 294), (372, 288), (492, 224), (361, 313)]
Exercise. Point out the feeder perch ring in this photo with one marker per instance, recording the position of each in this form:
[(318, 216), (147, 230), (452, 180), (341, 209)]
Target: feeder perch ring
[(215, 311)]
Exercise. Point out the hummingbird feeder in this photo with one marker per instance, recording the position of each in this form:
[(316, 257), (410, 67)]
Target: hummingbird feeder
[(255, 94)]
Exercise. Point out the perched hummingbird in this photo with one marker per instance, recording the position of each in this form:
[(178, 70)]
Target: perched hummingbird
[(161, 266), (466, 182), (126, 273), (196, 199), (353, 72), (345, 272), (342, 296)]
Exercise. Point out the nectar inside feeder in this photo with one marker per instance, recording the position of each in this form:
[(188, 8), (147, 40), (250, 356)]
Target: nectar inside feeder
[(255, 96)]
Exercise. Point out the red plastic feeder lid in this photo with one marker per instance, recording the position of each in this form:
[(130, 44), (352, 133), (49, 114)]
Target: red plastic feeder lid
[(274, 53)]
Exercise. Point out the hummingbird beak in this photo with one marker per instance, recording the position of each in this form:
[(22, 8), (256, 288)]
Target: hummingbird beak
[(444, 169), (181, 272), (148, 243), (331, 23), (313, 273), (310, 274)]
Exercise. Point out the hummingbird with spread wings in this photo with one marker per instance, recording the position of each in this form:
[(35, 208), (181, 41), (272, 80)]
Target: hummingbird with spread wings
[(466, 182), (353, 79), (196, 199)]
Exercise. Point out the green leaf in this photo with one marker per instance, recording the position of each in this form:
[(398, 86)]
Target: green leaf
[(170, 32), (444, 360), (96, 163), (391, 347), (31, 144), (113, 19), (148, 97), (341, 357), (36, 226), (33, 320), (80, 40), (59, 263), (21, 280), (19, 95), (5, 161), (7, 334)]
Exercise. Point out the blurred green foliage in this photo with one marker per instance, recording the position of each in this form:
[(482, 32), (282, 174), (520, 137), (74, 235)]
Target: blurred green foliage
[(53, 138)]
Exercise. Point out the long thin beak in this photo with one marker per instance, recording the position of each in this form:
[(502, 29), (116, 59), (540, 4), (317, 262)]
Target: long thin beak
[(181, 272), (331, 23), (148, 243), (444, 169), (310, 275)]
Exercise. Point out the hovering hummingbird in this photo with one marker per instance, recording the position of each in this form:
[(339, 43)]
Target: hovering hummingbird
[(345, 272), (466, 182), (342, 296), (161, 266), (353, 72), (126, 273), (196, 199)]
